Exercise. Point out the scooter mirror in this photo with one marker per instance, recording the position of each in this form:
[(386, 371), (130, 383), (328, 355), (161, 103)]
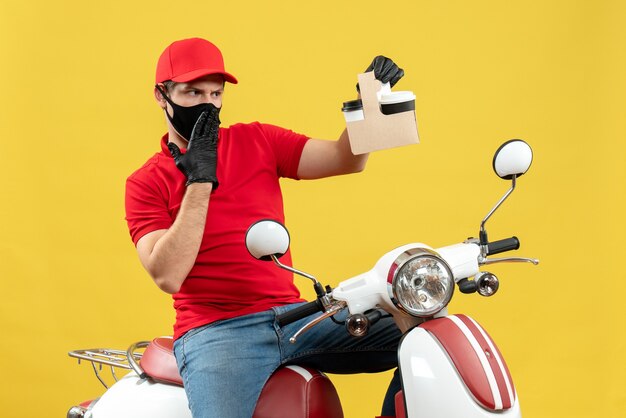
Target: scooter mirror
[(267, 238), (513, 158)]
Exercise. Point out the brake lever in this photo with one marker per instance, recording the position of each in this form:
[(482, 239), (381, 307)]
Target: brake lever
[(332, 310), (485, 261)]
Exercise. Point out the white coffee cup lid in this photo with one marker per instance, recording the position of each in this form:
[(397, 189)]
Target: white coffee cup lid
[(397, 97)]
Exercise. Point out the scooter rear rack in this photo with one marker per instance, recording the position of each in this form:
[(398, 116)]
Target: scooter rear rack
[(99, 357)]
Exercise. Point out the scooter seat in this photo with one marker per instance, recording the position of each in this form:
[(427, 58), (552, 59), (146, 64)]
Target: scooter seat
[(291, 392), (159, 363), (298, 392)]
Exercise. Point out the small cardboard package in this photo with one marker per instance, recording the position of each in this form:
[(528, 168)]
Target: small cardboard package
[(378, 131)]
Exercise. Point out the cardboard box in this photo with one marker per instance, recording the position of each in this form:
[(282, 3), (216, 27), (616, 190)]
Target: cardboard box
[(378, 131)]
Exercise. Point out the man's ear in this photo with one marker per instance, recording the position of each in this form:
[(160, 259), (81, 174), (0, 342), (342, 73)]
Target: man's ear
[(159, 97)]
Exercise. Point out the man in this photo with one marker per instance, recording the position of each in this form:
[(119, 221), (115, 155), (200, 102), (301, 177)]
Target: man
[(188, 208)]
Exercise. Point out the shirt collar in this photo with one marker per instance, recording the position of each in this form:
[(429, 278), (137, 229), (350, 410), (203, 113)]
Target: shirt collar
[(165, 149)]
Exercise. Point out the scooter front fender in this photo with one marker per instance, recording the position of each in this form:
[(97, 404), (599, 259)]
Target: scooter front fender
[(451, 368), (132, 397)]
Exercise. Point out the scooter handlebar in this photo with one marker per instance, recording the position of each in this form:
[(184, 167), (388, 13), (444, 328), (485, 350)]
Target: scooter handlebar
[(503, 245), (300, 312)]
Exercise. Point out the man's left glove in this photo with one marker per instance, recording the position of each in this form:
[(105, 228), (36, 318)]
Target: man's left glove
[(199, 163), (385, 70)]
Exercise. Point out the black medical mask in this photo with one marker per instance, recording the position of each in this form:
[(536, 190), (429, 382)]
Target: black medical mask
[(185, 117)]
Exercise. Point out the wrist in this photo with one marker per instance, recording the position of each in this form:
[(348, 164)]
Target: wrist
[(200, 187)]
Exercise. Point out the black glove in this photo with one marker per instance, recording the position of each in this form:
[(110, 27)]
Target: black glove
[(385, 70), (199, 163)]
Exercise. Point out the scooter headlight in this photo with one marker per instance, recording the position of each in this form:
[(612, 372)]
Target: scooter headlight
[(420, 282)]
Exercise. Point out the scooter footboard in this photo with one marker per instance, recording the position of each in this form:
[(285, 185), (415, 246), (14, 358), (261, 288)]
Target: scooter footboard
[(452, 368)]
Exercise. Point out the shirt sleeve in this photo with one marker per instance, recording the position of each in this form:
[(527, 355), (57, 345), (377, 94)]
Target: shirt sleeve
[(146, 209), (287, 146)]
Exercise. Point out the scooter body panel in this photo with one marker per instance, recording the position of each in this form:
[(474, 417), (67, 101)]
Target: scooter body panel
[(435, 388), (132, 397)]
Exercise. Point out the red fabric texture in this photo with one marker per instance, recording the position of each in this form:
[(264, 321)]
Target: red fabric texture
[(192, 58), (226, 281)]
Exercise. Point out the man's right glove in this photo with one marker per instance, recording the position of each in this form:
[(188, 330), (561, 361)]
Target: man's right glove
[(199, 163), (385, 70)]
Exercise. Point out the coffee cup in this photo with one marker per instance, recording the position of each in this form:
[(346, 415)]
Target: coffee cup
[(396, 102), (353, 110)]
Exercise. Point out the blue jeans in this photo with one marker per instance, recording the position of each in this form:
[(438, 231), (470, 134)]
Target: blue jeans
[(225, 364)]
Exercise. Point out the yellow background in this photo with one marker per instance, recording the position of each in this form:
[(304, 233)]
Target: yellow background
[(77, 116)]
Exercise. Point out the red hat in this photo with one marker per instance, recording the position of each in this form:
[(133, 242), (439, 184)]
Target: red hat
[(189, 59)]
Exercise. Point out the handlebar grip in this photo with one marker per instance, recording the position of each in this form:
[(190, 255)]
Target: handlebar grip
[(502, 245), (300, 312)]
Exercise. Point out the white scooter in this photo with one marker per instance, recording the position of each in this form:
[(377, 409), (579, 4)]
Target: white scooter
[(449, 365)]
